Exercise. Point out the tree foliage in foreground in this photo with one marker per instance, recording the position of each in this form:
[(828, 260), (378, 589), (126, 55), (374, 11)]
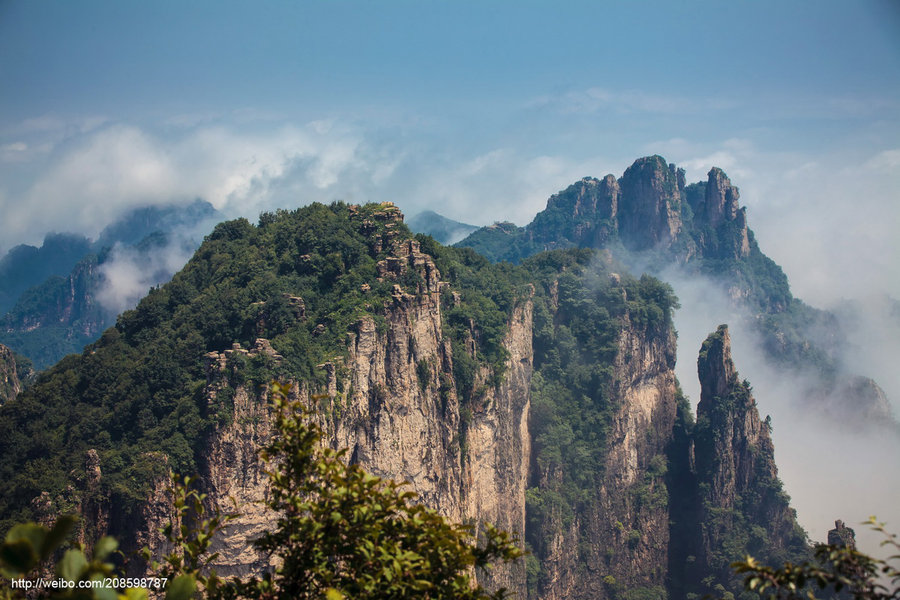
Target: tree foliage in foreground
[(838, 571), (341, 533), (343, 529)]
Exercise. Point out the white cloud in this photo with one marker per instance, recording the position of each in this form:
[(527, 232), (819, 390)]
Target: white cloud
[(92, 178), (831, 470), (885, 160), (13, 152), (127, 274)]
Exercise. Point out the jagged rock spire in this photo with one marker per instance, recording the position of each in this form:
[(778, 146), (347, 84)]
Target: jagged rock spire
[(649, 214), (715, 367), (737, 494), (842, 535)]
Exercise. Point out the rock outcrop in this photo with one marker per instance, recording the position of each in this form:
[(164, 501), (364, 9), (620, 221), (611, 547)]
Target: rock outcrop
[(650, 206), (739, 450), (10, 386), (719, 222), (842, 535), (734, 499), (583, 215)]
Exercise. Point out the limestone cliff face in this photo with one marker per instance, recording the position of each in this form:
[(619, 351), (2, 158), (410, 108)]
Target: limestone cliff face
[(738, 448), (619, 539), (739, 504), (65, 301), (233, 473), (390, 403), (649, 208), (498, 449), (583, 215), (58, 317), (720, 224), (10, 386)]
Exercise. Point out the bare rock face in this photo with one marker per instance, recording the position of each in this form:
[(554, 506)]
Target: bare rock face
[(10, 386), (715, 368), (399, 417), (498, 450), (719, 221), (870, 404), (233, 473), (582, 215), (393, 418), (649, 207), (721, 198), (158, 512)]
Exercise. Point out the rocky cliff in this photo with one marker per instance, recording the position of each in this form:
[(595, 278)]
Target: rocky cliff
[(539, 398), (719, 222), (734, 500), (650, 211), (391, 402), (57, 317), (10, 386), (649, 217), (616, 537)]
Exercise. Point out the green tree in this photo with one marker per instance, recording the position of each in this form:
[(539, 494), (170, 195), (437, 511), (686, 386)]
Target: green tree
[(343, 530), (28, 550), (838, 570)]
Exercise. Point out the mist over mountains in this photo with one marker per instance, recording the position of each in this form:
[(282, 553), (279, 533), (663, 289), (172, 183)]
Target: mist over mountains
[(824, 376), (815, 372), (540, 397), (60, 296)]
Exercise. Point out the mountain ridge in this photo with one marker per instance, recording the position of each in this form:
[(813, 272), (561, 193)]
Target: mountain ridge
[(540, 397), (68, 293), (651, 219)]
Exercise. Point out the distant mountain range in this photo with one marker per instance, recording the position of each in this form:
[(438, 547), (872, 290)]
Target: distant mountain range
[(446, 231), (60, 296)]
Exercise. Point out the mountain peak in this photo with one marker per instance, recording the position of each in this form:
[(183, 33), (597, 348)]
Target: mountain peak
[(721, 198), (650, 210), (714, 365)]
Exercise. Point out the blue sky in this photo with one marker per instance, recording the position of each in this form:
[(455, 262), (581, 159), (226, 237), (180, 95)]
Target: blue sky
[(480, 110)]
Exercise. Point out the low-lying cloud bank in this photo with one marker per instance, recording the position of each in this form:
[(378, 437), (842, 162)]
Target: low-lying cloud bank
[(129, 272), (831, 469)]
